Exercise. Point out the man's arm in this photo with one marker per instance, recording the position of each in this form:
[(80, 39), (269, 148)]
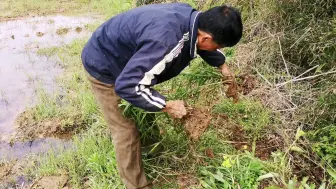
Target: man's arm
[(139, 75), (217, 59), (213, 58)]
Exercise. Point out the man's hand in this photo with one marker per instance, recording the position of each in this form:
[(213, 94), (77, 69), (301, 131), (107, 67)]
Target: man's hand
[(175, 109), (228, 75)]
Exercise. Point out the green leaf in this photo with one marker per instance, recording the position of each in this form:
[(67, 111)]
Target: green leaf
[(332, 174), (227, 163), (323, 186), (272, 187), (319, 69), (268, 175), (297, 149), (256, 166), (291, 184), (299, 133), (204, 184), (219, 177)]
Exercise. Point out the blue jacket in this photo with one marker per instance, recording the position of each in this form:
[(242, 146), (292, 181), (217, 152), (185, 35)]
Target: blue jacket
[(143, 47)]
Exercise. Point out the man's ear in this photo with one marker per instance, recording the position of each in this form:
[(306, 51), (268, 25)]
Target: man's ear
[(207, 37), (203, 38)]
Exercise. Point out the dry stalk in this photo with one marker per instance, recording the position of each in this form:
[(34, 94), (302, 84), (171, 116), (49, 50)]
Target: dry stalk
[(309, 77)]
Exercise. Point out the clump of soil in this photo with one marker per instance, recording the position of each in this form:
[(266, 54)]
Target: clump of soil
[(264, 146), (232, 92), (62, 31), (196, 122), (248, 84), (28, 128), (245, 84), (187, 181), (78, 29), (51, 182), (39, 34)]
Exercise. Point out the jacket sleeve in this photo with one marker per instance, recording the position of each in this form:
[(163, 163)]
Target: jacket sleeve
[(213, 58), (140, 74)]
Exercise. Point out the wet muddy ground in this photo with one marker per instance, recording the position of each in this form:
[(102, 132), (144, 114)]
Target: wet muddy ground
[(22, 71), (22, 74)]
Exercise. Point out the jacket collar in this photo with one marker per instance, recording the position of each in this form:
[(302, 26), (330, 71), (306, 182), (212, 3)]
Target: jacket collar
[(193, 30)]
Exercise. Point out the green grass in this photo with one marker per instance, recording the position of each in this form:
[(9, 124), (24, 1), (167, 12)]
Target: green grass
[(90, 160), (236, 171), (108, 8), (74, 103), (248, 113)]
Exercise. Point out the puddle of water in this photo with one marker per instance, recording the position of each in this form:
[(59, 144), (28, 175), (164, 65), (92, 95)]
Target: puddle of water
[(21, 70), (19, 150)]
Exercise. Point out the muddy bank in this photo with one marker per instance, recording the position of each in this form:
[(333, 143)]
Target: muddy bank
[(23, 73)]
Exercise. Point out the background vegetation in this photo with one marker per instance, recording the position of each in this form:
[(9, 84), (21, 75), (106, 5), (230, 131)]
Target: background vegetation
[(288, 45)]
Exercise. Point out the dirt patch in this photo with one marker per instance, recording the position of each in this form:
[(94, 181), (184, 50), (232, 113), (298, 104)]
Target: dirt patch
[(11, 174), (209, 153), (247, 84), (39, 34), (244, 84), (187, 181), (62, 31), (51, 182), (267, 145), (28, 128), (264, 146), (306, 167), (196, 122), (232, 92), (5, 170), (79, 29)]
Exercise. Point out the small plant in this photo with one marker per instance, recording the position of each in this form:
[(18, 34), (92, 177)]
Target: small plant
[(236, 171)]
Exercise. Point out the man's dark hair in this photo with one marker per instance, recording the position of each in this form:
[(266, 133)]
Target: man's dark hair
[(223, 23)]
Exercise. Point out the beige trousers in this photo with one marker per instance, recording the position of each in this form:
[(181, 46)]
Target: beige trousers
[(125, 135)]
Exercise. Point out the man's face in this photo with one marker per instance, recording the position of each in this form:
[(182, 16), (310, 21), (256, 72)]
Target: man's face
[(206, 42)]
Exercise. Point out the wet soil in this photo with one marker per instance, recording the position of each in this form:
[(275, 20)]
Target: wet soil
[(79, 29), (28, 128), (39, 34), (51, 182), (11, 151), (12, 175), (22, 71), (62, 31), (196, 122), (264, 146)]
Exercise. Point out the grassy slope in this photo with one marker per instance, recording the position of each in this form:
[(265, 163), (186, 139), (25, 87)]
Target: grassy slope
[(92, 161)]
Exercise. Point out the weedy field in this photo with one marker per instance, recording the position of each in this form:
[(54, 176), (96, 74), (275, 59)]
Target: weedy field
[(279, 133)]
